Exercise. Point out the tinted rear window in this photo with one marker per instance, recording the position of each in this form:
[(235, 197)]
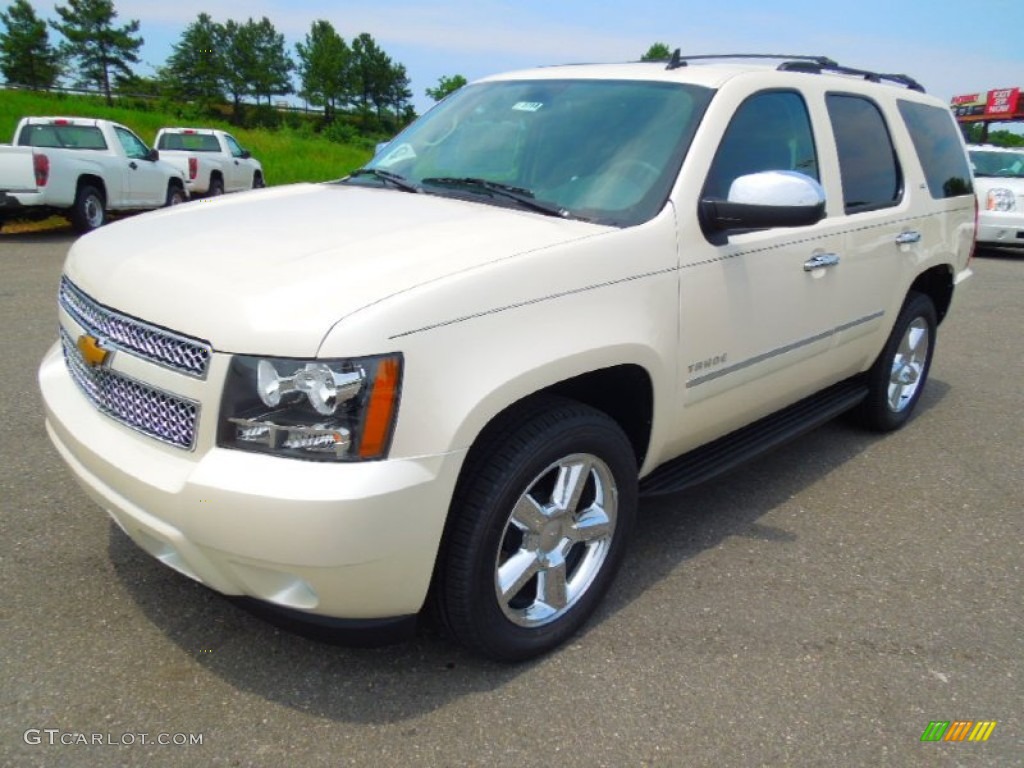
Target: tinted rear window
[(870, 174), (938, 146), (62, 136), (191, 142)]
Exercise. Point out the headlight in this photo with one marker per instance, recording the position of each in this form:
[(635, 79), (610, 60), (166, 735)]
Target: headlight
[(327, 410), (1000, 199)]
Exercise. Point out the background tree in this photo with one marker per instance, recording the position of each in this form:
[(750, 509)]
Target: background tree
[(445, 86), (195, 69), (325, 64), (378, 82), (255, 62), (26, 56), (657, 52), (102, 50), (238, 49), (273, 66), (370, 70), (398, 94)]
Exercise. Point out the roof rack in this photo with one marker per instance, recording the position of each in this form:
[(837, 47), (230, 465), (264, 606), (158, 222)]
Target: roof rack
[(810, 64)]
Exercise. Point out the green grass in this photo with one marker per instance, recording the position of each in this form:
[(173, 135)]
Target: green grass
[(288, 155)]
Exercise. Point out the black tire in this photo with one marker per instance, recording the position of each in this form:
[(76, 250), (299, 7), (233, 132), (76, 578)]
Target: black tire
[(175, 195), (558, 559), (216, 187), (257, 181), (89, 211), (898, 377)]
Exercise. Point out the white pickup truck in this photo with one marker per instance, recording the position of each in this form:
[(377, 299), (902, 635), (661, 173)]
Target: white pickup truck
[(213, 161), (82, 168)]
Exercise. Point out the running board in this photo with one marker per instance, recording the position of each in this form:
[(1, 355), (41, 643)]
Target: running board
[(728, 452)]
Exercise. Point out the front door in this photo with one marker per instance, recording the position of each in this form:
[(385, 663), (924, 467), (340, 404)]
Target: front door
[(145, 183), (756, 314)]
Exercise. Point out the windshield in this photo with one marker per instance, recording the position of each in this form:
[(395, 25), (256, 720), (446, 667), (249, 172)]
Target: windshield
[(604, 151), (995, 163)]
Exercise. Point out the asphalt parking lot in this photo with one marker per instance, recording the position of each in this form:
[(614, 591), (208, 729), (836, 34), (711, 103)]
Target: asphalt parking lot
[(820, 607)]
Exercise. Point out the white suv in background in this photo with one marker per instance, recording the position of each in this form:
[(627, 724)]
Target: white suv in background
[(447, 378), (999, 184)]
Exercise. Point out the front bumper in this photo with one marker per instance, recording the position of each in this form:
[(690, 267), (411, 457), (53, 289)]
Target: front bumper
[(1001, 228), (354, 541)]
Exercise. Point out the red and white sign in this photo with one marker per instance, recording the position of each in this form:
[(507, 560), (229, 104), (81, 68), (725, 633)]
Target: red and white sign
[(1002, 102)]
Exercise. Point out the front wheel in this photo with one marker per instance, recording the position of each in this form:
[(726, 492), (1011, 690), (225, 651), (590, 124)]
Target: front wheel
[(175, 195), (897, 379), (257, 181), (539, 526)]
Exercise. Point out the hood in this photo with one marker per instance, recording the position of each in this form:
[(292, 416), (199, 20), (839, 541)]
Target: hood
[(271, 271)]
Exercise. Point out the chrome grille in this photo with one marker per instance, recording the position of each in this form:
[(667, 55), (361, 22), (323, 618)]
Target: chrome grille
[(181, 353), (148, 410)]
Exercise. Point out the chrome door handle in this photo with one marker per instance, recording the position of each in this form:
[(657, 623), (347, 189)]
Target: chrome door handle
[(820, 260), (908, 237)]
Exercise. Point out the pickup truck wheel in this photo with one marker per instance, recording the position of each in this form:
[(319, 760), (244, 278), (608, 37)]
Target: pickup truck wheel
[(257, 181), (216, 188), (175, 195), (89, 211), (539, 527), (898, 376)]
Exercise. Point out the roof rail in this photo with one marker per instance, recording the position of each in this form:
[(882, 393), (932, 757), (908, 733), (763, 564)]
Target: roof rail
[(810, 64)]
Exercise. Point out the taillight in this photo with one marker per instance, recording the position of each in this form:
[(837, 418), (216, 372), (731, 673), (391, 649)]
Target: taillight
[(41, 166), (193, 168)]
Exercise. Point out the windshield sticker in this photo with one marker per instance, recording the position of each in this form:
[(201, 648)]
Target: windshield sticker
[(402, 152), (528, 106)]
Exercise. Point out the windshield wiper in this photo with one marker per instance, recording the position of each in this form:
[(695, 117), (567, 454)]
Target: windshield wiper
[(522, 196), (387, 176)]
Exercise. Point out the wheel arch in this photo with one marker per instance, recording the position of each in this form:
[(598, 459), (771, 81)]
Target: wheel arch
[(937, 284), (91, 180), (624, 392)]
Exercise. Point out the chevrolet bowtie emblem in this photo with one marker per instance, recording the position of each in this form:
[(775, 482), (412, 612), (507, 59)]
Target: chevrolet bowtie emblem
[(93, 354)]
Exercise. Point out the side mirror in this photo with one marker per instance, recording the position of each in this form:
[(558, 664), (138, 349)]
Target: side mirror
[(766, 200), (153, 155), (246, 154)]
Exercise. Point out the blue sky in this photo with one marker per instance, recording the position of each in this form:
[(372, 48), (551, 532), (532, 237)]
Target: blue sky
[(951, 48)]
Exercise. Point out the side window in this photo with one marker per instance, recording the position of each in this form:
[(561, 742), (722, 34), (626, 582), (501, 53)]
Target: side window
[(771, 131), (937, 142), (132, 144), (233, 148), (868, 167)]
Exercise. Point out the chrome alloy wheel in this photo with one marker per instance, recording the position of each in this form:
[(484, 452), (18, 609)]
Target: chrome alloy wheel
[(92, 209), (908, 365), (556, 540)]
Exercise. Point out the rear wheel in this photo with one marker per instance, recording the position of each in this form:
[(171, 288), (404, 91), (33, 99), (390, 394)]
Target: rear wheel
[(89, 210), (898, 377), (539, 526)]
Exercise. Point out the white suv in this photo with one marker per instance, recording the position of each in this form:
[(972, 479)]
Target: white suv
[(447, 378), (999, 184)]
